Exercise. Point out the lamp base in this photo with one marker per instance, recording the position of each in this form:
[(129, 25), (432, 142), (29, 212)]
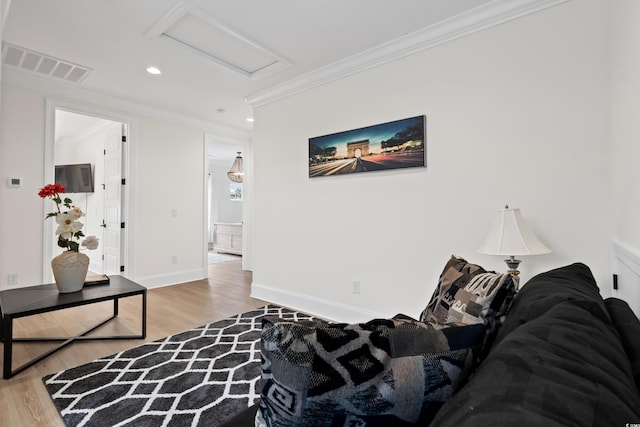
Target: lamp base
[(513, 263)]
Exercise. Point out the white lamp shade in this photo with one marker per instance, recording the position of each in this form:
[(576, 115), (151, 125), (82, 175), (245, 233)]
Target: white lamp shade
[(509, 235)]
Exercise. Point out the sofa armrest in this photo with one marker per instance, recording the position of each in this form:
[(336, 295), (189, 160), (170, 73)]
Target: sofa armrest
[(628, 327)]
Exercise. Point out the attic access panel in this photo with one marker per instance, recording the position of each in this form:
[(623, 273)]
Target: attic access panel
[(192, 29)]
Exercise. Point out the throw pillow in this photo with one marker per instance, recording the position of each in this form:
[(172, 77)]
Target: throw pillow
[(469, 294), (384, 372)]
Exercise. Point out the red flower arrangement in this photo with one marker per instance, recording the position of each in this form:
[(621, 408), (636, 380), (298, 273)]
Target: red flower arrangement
[(51, 190), (68, 225)]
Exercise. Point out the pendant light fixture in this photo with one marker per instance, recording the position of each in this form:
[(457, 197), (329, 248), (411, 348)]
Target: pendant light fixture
[(235, 174)]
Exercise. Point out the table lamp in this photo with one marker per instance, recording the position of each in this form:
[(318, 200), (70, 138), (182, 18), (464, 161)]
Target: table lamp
[(509, 235)]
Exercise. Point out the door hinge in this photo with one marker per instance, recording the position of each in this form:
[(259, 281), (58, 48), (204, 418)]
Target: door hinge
[(122, 225), (104, 152), (124, 138), (124, 181), (122, 269), (615, 282)]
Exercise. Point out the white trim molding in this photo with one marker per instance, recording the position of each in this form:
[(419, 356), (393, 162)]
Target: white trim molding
[(486, 16), (313, 305), (626, 256), (169, 279)]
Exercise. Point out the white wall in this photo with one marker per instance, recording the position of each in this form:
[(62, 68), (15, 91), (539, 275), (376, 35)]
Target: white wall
[(22, 156), (625, 147), (516, 114), (168, 173), (625, 116)]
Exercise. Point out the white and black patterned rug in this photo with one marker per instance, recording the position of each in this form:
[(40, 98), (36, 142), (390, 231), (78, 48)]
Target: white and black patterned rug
[(199, 377)]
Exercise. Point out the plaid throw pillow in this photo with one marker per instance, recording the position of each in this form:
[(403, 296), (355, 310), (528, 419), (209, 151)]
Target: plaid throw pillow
[(381, 373), (469, 294)]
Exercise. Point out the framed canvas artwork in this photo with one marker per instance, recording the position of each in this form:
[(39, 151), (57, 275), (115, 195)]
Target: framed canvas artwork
[(392, 145)]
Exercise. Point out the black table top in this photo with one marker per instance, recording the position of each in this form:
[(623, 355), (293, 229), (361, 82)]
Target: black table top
[(39, 299)]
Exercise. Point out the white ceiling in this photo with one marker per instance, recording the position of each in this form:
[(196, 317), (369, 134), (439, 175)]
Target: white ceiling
[(281, 46), (69, 127)]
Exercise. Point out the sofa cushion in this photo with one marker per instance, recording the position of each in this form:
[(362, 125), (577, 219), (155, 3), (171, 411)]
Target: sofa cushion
[(466, 292), (384, 372), (557, 361)]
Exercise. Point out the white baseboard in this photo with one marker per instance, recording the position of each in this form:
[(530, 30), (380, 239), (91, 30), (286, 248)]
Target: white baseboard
[(313, 305), (162, 280)]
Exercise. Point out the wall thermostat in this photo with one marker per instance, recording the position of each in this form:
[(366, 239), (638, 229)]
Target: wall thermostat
[(15, 182)]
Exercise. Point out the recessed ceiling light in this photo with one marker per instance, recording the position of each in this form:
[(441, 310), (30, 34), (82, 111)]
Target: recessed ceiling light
[(250, 119), (154, 70)]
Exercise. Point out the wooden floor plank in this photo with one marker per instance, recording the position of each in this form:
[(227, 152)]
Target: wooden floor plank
[(172, 309)]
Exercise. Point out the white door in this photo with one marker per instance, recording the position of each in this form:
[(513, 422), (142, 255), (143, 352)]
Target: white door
[(112, 199)]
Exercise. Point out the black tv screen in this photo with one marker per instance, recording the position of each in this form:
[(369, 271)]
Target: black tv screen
[(76, 178)]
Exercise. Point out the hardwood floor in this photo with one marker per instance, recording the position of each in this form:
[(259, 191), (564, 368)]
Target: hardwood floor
[(172, 309)]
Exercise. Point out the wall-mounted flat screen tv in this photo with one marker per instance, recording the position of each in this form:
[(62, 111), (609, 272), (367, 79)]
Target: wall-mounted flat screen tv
[(76, 178)]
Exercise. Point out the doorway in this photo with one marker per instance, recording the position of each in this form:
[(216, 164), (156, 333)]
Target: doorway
[(227, 209), (78, 137)]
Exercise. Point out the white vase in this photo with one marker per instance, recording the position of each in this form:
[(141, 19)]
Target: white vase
[(70, 271)]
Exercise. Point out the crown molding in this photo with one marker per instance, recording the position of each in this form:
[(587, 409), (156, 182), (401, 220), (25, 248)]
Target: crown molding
[(486, 16), (73, 92)]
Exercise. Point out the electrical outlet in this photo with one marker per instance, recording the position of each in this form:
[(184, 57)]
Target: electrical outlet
[(174, 259), (13, 279), (355, 286)]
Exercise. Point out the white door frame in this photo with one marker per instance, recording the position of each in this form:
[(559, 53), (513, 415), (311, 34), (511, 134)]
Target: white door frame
[(51, 105)]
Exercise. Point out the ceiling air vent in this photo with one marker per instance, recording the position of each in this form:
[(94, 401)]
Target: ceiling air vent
[(42, 64)]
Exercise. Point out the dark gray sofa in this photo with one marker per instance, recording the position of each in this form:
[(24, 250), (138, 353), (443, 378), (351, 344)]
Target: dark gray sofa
[(564, 356)]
